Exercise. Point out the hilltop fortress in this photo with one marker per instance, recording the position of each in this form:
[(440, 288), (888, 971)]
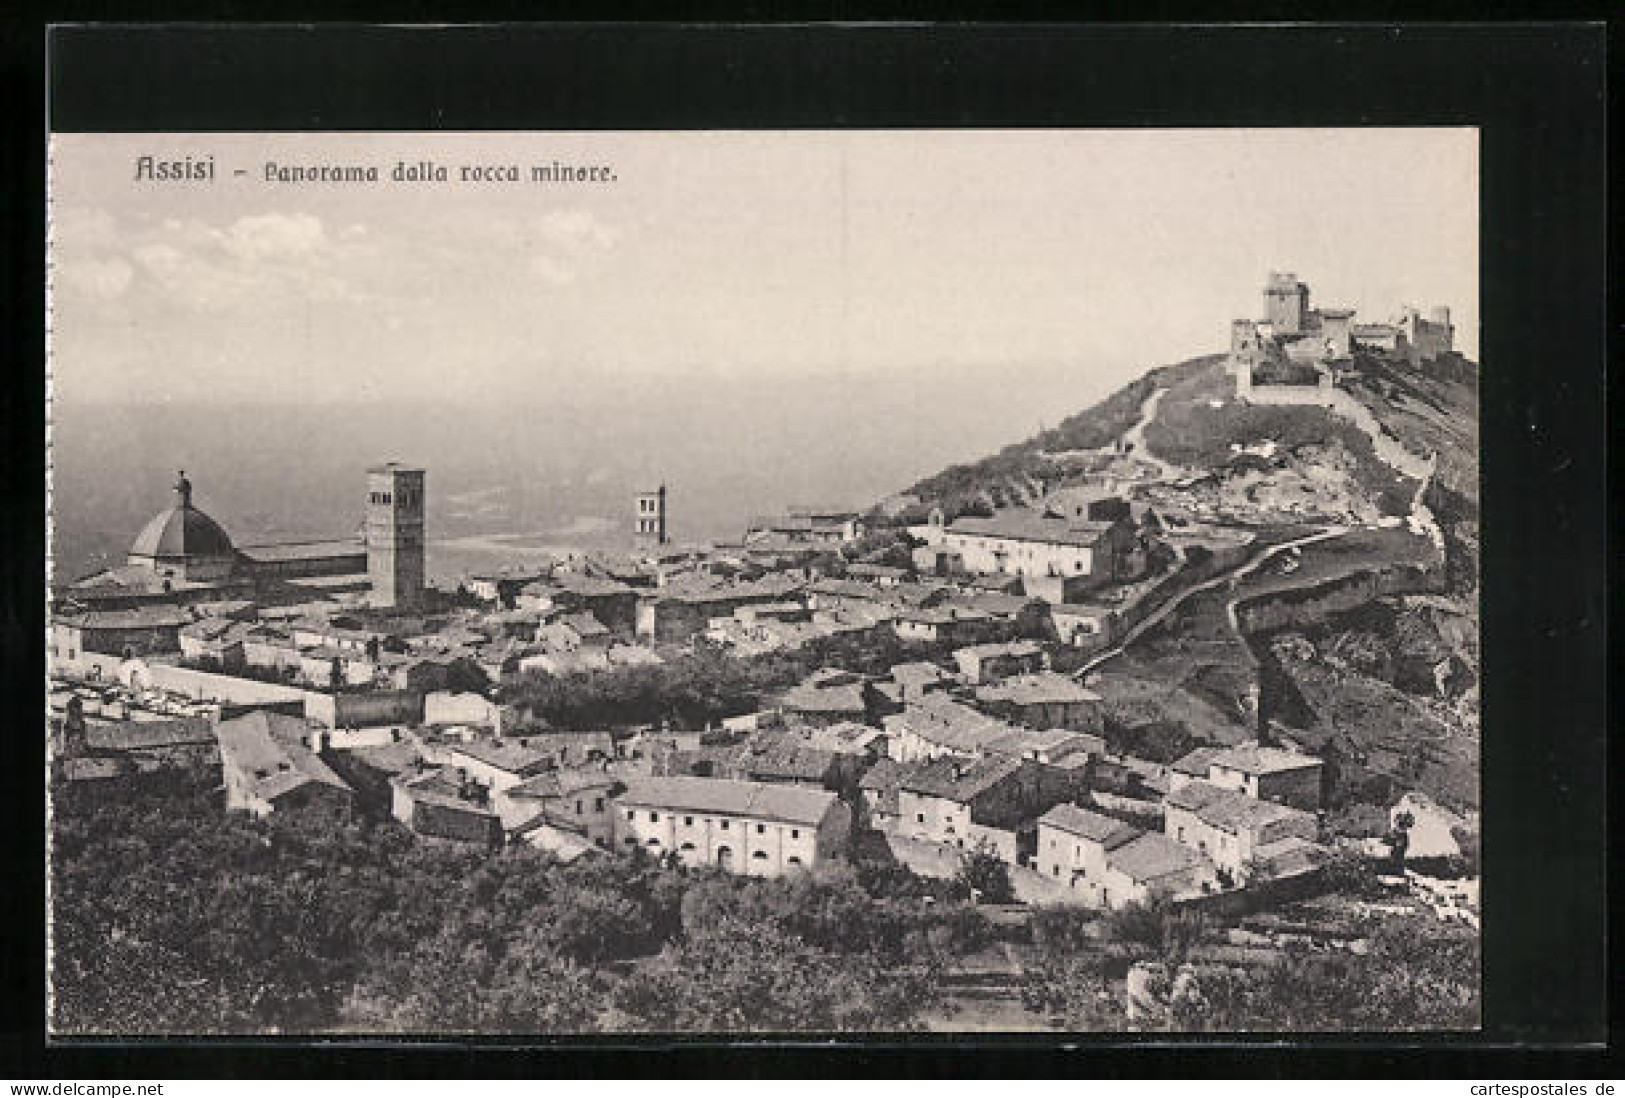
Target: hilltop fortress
[(1295, 344)]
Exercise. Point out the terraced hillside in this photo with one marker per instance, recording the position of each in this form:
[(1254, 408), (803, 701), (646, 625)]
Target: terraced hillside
[(1393, 461)]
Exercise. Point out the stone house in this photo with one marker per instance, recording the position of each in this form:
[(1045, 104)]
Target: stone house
[(1150, 865), (1236, 832), (981, 663), (1073, 843), (1269, 774), (964, 803), (751, 828), (578, 799), (1043, 700), (268, 765)]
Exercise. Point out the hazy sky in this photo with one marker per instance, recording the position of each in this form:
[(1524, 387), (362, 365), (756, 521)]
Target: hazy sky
[(718, 253)]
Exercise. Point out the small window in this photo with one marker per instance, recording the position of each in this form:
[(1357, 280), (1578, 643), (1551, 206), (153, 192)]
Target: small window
[(579, 808), (688, 821), (724, 825), (654, 817), (795, 833), (630, 815), (760, 856), (761, 829), (919, 817)]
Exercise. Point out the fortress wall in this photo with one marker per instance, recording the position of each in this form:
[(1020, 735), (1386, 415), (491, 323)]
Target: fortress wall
[(368, 710), (1392, 452), (1301, 606), (206, 685)]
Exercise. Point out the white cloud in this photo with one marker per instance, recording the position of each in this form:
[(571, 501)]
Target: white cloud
[(103, 279), (551, 270), (577, 229), (275, 236)]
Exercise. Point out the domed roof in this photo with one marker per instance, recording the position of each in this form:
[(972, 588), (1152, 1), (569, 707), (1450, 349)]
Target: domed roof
[(182, 531)]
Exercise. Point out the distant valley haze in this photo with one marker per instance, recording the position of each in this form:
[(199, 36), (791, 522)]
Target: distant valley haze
[(558, 469), (755, 319)]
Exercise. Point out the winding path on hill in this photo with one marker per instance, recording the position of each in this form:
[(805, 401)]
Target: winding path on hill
[(1246, 567), (1130, 444), (1133, 440)]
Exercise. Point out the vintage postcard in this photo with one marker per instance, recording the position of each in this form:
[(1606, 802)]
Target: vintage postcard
[(772, 582)]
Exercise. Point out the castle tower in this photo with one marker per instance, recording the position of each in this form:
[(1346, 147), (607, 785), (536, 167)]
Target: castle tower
[(1286, 302), (395, 535), (649, 521), (1246, 349)]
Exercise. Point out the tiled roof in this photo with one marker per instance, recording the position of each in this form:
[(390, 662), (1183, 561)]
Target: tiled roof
[(785, 756), (146, 617), (807, 698), (755, 800), (845, 737), (1151, 857), (1195, 763), (266, 749), (1022, 524), (304, 550), (562, 783), (1021, 740), (1227, 809), (1290, 857), (955, 779), (1008, 649), (1093, 826), (508, 755), (1252, 758), (1042, 688), (138, 735), (941, 720), (884, 774), (918, 673)]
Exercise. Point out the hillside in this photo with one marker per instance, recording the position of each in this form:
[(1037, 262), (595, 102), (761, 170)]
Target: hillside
[(1268, 459), (1325, 650)]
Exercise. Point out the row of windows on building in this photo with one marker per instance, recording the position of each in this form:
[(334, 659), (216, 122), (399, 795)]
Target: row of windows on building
[(724, 854), (647, 526), (688, 821), (648, 506), (378, 497)]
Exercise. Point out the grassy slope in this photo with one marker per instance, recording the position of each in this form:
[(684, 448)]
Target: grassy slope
[(1189, 430), (1192, 672), (1089, 429)]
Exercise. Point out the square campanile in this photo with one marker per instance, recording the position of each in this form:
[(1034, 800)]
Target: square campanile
[(395, 535)]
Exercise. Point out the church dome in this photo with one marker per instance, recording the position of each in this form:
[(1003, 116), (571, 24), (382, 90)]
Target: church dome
[(184, 537)]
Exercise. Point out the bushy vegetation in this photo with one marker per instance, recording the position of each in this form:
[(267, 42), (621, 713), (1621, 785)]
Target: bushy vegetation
[(172, 917), (698, 688), (1415, 975), (959, 488)]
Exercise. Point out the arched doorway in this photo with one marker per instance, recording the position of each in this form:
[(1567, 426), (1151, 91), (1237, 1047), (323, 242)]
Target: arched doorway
[(725, 857)]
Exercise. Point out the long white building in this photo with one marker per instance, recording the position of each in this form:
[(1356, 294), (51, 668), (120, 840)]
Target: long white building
[(754, 828)]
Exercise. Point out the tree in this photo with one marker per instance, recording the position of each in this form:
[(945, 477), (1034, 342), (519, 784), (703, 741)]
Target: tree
[(735, 978), (984, 873)]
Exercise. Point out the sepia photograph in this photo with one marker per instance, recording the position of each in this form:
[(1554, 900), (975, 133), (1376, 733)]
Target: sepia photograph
[(777, 582)]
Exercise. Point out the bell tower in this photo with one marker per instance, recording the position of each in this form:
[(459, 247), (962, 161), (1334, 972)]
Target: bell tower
[(649, 521), (395, 507)]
